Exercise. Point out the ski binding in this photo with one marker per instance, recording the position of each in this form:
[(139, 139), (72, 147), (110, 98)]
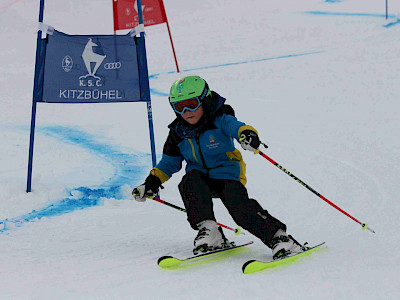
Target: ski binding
[(169, 261)]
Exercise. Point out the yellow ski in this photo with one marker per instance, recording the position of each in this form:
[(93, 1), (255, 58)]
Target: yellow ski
[(169, 261), (255, 265)]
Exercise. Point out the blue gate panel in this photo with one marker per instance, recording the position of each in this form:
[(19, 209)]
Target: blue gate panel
[(91, 69)]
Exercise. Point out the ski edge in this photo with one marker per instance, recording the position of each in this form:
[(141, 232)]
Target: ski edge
[(253, 266), (170, 261)]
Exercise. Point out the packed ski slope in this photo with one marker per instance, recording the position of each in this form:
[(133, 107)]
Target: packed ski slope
[(318, 79)]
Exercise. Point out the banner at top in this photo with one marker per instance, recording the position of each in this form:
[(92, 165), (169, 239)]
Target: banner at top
[(126, 15)]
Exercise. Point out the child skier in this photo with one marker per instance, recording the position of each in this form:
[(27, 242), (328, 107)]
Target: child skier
[(202, 134)]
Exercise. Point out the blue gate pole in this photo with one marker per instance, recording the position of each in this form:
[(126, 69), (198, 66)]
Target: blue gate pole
[(144, 83), (386, 9), (34, 100), (31, 140), (151, 129)]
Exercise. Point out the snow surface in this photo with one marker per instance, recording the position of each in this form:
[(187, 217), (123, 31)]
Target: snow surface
[(318, 79)]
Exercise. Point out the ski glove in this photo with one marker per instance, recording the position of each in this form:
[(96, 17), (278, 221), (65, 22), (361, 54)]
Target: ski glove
[(249, 140), (148, 189)]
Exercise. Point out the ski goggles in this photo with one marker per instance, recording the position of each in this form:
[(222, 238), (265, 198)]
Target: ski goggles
[(190, 104)]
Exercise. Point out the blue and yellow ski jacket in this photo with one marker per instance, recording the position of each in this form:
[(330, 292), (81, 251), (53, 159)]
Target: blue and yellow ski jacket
[(207, 146)]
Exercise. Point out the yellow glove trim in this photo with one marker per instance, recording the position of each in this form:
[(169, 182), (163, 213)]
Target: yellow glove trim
[(160, 174), (246, 127)]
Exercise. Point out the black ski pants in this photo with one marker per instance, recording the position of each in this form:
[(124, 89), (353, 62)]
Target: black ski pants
[(197, 190)]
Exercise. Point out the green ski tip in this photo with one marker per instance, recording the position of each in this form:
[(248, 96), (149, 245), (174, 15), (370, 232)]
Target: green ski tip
[(168, 261), (255, 265)]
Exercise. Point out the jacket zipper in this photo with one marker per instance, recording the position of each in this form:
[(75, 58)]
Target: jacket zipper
[(201, 155)]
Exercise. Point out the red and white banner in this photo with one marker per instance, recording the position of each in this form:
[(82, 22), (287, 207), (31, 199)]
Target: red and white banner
[(126, 15)]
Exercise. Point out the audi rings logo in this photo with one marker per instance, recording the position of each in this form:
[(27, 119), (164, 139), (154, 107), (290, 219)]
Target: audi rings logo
[(113, 65)]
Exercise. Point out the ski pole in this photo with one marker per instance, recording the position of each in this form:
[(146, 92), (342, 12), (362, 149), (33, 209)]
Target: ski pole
[(364, 225), (237, 230)]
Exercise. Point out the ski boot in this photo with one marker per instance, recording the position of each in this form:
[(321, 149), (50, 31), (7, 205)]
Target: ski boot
[(283, 245), (210, 237)]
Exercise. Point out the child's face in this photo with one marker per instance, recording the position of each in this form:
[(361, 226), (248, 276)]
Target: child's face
[(192, 117)]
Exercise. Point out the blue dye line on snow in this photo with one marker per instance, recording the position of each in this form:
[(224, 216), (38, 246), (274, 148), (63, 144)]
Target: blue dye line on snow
[(392, 24), (155, 76), (327, 13), (127, 169), (158, 93)]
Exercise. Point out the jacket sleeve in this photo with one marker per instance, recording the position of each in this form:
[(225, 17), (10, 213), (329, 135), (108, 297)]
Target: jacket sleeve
[(171, 160), (232, 127)]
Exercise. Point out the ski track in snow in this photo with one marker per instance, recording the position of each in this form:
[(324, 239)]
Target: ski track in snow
[(128, 167), (376, 195)]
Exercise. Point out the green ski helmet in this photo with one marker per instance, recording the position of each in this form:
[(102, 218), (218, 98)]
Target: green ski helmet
[(187, 87)]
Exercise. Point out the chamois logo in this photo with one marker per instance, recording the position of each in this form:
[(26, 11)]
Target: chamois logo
[(91, 87), (90, 58), (67, 63)]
